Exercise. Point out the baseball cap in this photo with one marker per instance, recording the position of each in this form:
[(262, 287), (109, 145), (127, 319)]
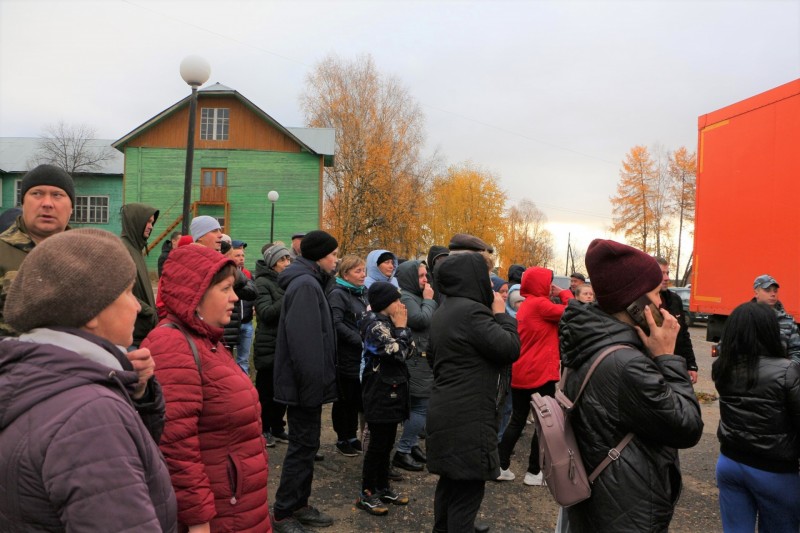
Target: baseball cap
[(764, 282)]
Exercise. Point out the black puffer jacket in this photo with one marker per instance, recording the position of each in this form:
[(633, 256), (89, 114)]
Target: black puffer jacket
[(305, 353), (268, 311), (384, 385), (629, 392), (760, 427), (470, 345), (420, 313), (348, 305)]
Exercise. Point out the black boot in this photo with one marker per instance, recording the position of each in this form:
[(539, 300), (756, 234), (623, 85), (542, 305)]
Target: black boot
[(481, 528), (418, 455), (406, 462)]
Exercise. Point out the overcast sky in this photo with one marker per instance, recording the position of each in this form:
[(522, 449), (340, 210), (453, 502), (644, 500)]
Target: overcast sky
[(548, 95)]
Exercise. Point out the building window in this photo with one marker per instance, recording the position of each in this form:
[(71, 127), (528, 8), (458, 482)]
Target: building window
[(214, 124), (18, 193), (90, 210)]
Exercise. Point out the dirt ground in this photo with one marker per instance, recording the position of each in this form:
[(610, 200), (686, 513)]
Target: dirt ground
[(508, 506)]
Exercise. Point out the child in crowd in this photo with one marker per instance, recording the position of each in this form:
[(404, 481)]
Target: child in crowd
[(384, 385)]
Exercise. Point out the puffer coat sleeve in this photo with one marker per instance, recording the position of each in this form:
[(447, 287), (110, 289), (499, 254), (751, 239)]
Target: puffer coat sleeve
[(69, 469)]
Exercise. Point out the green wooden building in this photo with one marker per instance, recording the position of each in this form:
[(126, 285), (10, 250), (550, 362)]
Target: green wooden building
[(241, 153), (98, 194)]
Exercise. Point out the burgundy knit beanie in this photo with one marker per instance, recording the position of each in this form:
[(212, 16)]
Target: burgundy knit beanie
[(620, 274)]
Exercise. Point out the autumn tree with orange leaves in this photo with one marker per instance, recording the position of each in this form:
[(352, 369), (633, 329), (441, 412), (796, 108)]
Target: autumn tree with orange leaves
[(372, 193), (466, 199), (632, 207), (526, 240), (683, 173)]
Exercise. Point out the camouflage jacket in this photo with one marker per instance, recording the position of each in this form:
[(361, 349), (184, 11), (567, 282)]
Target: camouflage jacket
[(790, 337), (14, 247)]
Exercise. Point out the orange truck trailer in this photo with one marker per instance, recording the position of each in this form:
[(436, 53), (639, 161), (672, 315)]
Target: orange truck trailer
[(748, 204)]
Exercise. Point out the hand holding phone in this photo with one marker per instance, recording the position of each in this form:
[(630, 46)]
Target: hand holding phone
[(661, 337)]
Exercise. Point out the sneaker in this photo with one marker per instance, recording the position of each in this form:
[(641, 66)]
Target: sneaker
[(281, 437), (506, 475), (288, 525), (319, 457), (311, 516), (346, 449), (356, 444), (270, 439), (533, 480), (372, 504), (390, 496)]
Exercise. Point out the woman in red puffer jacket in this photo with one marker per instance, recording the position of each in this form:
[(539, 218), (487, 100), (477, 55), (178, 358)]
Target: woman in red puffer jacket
[(212, 438), (538, 366)]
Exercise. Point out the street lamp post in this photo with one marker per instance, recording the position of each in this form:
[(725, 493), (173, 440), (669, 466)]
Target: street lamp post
[(195, 71), (273, 197)]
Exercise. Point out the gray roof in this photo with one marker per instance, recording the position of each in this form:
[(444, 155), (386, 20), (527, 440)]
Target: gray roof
[(321, 140), (18, 154)]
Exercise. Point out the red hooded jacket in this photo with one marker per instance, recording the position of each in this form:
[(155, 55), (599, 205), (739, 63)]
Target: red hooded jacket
[(537, 324), (212, 438)]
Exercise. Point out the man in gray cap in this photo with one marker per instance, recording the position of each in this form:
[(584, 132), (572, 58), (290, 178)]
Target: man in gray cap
[(766, 292), (205, 230), (48, 196), (294, 251)]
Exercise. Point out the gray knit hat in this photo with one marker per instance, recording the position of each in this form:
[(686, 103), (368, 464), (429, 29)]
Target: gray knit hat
[(274, 253), (67, 279), (202, 225), (48, 175)]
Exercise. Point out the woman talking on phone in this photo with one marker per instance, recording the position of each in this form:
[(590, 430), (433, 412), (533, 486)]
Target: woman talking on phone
[(639, 388)]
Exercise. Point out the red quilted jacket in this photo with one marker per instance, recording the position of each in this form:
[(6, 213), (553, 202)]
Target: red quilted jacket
[(537, 324), (212, 438)]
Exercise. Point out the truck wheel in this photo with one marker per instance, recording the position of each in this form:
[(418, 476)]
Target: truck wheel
[(690, 319)]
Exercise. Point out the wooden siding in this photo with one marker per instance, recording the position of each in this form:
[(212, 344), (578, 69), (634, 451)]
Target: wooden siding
[(247, 131), (155, 176)]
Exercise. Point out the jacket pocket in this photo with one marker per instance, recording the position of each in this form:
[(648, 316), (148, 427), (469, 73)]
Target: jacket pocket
[(234, 471)]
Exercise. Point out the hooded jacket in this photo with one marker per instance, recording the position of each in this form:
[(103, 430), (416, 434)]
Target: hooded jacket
[(420, 313), (470, 347), (629, 391), (66, 422), (268, 312), (348, 305), (373, 272), (212, 439), (305, 354), (134, 218), (537, 323)]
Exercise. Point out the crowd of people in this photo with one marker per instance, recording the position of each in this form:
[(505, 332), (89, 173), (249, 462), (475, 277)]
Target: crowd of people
[(121, 397)]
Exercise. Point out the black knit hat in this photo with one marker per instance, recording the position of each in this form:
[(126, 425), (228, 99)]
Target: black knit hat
[(50, 288), (317, 244), (620, 274), (385, 256), (381, 295), (48, 175)]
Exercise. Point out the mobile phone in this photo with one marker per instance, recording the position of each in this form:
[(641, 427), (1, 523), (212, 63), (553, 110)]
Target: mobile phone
[(636, 312)]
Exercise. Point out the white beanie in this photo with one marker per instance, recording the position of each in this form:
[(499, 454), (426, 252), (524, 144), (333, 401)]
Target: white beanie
[(202, 225)]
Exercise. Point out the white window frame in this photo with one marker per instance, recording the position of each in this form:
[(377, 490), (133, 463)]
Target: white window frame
[(217, 120), (95, 210), (18, 193)]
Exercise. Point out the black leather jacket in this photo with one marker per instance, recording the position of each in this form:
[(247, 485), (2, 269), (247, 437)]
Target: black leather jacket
[(629, 392), (760, 427)]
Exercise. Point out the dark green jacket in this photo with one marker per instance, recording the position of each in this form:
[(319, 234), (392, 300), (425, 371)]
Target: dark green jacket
[(134, 218), (268, 314)]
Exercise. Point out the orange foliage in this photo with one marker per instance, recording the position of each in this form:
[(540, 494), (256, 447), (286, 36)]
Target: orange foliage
[(633, 205)]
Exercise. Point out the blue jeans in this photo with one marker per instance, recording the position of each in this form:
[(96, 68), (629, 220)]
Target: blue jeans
[(245, 343), (412, 427), (746, 492), (507, 410)]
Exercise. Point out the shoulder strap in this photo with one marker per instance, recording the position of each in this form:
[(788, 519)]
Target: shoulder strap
[(189, 339), (608, 351), (613, 453)]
